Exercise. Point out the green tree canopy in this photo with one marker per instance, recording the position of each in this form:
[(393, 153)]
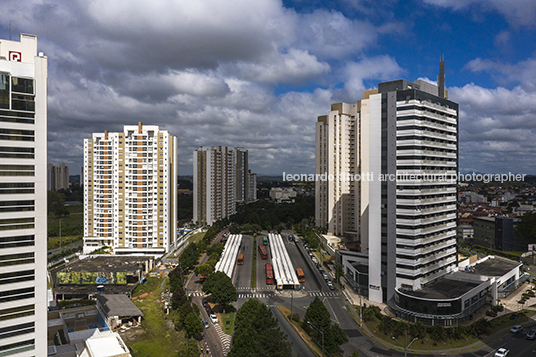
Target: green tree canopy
[(317, 322), (257, 333), (204, 269), (192, 324), (526, 229)]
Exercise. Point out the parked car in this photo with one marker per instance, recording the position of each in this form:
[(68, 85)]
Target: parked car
[(501, 352), (516, 329), (210, 311), (531, 334), (213, 318), (205, 322), (330, 286), (204, 302)]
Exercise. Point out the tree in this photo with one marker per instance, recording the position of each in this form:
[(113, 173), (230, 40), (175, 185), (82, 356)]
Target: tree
[(224, 292), (56, 204), (257, 333), (221, 287), (317, 315), (192, 324), (211, 281), (526, 229), (339, 271), (190, 349), (417, 330), (204, 269)]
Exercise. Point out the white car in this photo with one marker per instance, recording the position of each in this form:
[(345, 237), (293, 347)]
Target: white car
[(516, 329), (213, 318), (501, 352)]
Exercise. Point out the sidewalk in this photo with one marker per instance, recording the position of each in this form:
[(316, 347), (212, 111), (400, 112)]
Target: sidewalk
[(509, 302)]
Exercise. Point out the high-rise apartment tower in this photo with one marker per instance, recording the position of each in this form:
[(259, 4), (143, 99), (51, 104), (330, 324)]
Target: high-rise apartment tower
[(402, 142), (23, 196), (221, 180), (130, 190)]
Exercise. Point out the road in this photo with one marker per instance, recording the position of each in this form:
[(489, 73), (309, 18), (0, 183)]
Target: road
[(193, 288), (315, 286), (242, 273)]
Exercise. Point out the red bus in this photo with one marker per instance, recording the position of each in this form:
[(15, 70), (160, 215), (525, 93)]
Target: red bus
[(269, 274), (262, 251)]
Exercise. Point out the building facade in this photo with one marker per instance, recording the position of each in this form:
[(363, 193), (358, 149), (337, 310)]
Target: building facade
[(495, 233), (404, 199), (221, 180), (58, 177), (130, 190), (214, 184), (23, 195)]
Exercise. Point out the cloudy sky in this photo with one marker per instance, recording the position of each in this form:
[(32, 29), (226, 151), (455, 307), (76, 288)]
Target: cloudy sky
[(258, 73)]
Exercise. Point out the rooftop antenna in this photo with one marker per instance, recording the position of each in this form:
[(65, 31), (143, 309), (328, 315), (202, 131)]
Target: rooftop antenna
[(441, 77)]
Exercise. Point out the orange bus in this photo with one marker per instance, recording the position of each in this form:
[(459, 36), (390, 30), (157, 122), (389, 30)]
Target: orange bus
[(240, 259), (301, 276)]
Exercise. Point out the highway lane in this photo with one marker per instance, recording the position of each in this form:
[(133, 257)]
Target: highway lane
[(300, 259), (261, 277), (299, 347), (242, 273)]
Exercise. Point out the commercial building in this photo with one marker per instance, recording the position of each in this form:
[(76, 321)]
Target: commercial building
[(221, 180), (454, 297), (495, 233), (130, 190), (390, 163), (23, 196), (283, 194), (58, 177)]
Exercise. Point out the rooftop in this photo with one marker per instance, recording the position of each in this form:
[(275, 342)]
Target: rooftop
[(443, 288), (118, 305), (495, 266), (124, 264)]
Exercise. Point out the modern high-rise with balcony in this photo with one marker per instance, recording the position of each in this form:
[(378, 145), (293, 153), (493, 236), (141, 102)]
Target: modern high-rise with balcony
[(214, 184), (403, 143), (23, 197), (130, 190)]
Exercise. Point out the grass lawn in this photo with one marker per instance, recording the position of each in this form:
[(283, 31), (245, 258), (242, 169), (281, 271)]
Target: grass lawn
[(196, 237), (428, 344), (74, 221), (508, 320), (152, 285), (305, 337), (227, 328), (159, 339)]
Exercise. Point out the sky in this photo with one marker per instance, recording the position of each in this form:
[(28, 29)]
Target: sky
[(257, 74)]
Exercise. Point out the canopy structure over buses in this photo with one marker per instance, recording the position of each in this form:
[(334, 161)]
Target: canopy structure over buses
[(284, 272), (227, 261)]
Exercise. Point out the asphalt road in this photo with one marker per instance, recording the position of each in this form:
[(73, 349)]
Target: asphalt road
[(261, 277), (242, 273)]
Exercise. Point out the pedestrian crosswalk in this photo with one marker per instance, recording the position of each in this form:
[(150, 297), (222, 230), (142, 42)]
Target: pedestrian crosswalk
[(255, 295), (323, 293), (268, 287), (224, 338), (196, 293)]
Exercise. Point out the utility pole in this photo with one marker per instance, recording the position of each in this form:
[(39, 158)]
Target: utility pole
[(291, 303), (360, 312), (60, 232), (322, 332)]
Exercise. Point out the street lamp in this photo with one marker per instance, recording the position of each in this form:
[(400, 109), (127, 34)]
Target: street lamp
[(321, 331), (406, 345)]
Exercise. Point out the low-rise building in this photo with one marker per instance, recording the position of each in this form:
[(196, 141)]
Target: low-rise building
[(494, 232), (283, 195)]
